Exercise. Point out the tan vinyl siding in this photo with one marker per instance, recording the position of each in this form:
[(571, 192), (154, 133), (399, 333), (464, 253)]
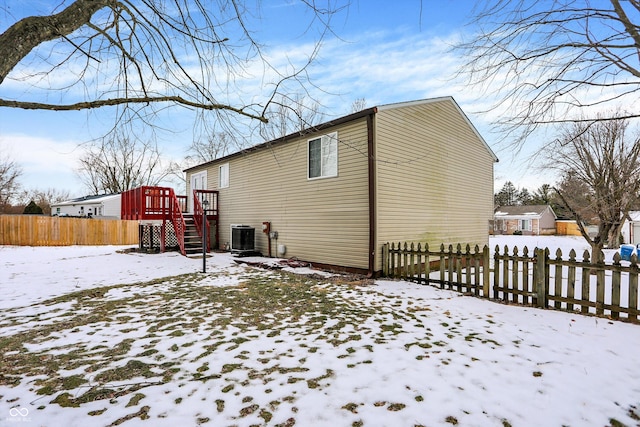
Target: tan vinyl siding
[(434, 177), (322, 220)]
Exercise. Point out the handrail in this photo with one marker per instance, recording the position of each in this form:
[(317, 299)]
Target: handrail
[(156, 204), (199, 217), (177, 219)]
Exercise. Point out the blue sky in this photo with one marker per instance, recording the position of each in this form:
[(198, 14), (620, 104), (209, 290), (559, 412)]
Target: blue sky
[(386, 52)]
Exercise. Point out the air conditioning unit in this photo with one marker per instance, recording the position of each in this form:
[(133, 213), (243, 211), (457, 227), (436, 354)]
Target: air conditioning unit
[(243, 239)]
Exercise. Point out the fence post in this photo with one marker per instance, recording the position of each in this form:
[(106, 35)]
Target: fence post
[(633, 290), (385, 259), (540, 279), (486, 271), (442, 265), (496, 272), (600, 285)]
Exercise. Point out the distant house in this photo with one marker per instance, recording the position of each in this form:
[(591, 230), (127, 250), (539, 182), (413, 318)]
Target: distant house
[(528, 220), (99, 206), (333, 194), (631, 228)]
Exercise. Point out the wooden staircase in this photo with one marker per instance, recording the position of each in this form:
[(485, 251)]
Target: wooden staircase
[(192, 238), (161, 205)]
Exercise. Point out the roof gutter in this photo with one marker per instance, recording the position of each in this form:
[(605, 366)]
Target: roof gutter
[(372, 194), (286, 138)]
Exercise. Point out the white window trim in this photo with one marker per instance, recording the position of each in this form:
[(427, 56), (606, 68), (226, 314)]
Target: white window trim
[(529, 224), (331, 136), (223, 183)]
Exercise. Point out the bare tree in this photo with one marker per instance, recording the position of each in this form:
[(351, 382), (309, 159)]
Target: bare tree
[(136, 54), (607, 161), (289, 114), (44, 198), (217, 145), (578, 195), (118, 164), (10, 171), (358, 104), (554, 62)]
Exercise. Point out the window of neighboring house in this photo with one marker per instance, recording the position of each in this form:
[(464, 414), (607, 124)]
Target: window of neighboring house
[(223, 178), (323, 156), (525, 224)]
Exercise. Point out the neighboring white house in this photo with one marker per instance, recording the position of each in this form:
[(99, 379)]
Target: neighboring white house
[(631, 228), (100, 206)]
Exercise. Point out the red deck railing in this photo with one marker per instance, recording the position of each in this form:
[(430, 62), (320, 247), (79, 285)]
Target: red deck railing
[(155, 204), (162, 204), (211, 212)]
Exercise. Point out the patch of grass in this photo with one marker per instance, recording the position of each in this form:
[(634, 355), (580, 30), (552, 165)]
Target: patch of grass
[(133, 369), (66, 401), (147, 353), (135, 399), (289, 423), (265, 415), (451, 420), (143, 414), (230, 367), (351, 407), (248, 410), (394, 407), (72, 382)]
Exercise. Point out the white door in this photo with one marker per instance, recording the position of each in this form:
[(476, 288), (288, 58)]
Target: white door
[(198, 182)]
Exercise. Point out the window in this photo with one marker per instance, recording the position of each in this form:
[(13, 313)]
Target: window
[(525, 224), (323, 156), (223, 179)]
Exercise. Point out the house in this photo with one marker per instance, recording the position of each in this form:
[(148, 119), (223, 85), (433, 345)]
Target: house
[(335, 193), (526, 219), (98, 206), (631, 228)]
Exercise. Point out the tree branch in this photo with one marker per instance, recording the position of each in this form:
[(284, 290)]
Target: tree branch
[(120, 101)]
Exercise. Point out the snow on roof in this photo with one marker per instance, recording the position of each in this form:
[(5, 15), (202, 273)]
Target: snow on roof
[(521, 210), (98, 198)]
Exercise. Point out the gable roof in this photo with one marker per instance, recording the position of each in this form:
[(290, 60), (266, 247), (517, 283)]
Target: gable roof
[(522, 210), (346, 119), (441, 99)]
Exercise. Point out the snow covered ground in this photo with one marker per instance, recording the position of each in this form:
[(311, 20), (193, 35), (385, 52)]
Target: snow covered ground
[(91, 336)]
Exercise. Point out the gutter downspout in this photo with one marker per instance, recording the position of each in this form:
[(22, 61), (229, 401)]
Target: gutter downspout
[(372, 194)]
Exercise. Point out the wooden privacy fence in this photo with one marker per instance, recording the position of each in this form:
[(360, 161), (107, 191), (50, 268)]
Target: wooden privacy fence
[(32, 230), (527, 278)]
